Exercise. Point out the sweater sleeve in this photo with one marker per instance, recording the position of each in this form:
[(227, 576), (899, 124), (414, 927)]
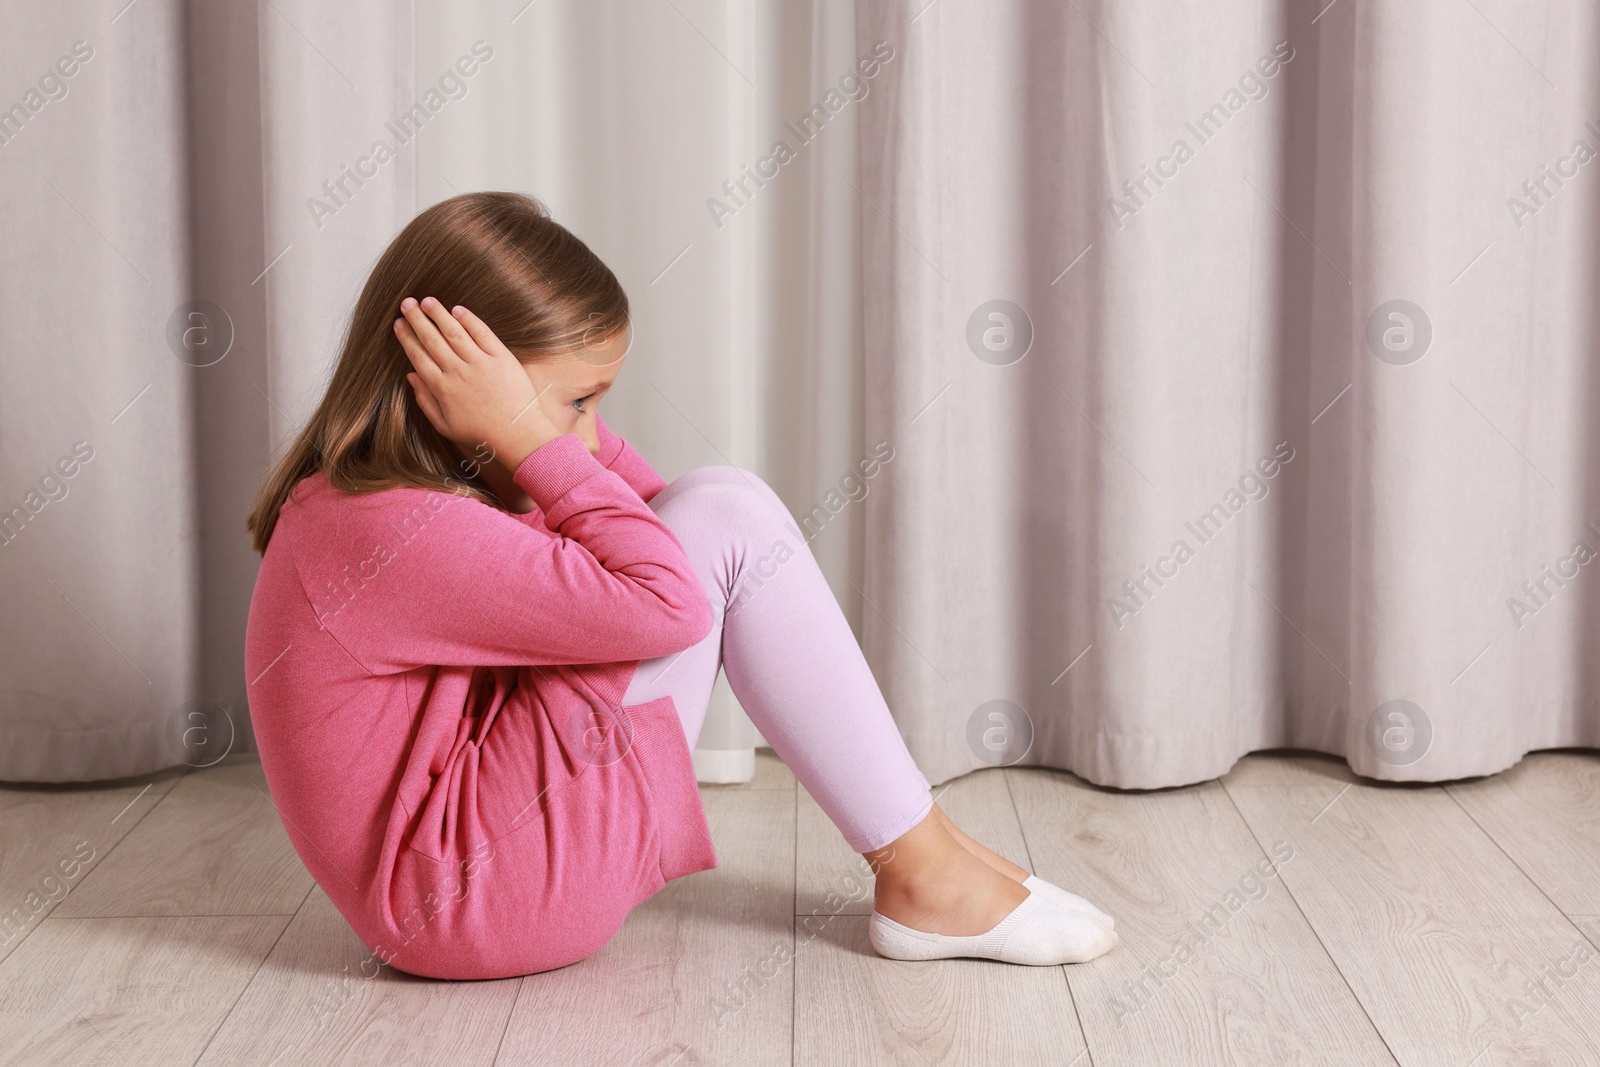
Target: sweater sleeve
[(606, 582), (619, 456)]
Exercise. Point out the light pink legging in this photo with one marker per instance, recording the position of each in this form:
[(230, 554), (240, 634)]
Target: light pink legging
[(789, 655)]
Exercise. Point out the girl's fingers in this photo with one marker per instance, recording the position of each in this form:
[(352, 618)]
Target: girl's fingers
[(428, 333), (415, 351), (454, 335), (479, 331), (427, 401)]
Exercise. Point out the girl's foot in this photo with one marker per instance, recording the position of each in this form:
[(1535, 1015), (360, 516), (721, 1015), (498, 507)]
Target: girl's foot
[(1016, 873), (935, 899), (936, 886), (1042, 931), (995, 860)]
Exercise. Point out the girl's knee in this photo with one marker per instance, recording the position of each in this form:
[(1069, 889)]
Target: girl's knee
[(732, 493)]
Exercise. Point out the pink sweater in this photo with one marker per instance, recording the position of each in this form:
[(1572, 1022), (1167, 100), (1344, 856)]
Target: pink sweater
[(424, 676)]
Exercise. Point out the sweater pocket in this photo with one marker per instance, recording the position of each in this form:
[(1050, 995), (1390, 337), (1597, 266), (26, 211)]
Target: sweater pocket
[(661, 751)]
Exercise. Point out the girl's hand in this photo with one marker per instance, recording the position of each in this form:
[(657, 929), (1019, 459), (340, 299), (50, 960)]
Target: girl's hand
[(469, 385)]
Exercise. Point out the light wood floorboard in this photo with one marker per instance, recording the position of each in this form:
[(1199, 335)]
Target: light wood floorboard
[(854, 1007), (1456, 925), (1432, 926), (320, 997), (215, 845), (51, 837), (1545, 814), (126, 991), (1216, 964), (702, 973)]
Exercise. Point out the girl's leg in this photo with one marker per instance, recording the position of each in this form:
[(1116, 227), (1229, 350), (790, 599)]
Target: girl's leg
[(789, 655), (797, 670)]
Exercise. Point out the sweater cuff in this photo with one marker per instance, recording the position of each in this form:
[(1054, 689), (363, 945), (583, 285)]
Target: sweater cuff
[(610, 443), (555, 468)]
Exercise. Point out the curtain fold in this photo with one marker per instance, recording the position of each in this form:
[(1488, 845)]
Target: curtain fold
[(198, 207), (100, 633), (1243, 394), (172, 306)]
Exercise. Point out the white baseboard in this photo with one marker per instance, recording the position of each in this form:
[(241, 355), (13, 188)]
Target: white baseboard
[(724, 766)]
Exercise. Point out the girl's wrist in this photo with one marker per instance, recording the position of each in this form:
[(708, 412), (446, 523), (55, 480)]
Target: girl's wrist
[(517, 447)]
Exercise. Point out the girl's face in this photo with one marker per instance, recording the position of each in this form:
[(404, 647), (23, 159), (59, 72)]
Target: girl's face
[(571, 386)]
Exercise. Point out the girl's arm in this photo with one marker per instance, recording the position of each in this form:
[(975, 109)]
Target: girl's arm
[(619, 456), (472, 586), (427, 578)]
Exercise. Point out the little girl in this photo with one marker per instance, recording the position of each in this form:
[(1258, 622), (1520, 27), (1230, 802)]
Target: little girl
[(485, 631)]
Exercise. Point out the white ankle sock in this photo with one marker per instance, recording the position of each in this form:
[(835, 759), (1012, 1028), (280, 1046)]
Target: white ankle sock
[(1035, 883), (1042, 931)]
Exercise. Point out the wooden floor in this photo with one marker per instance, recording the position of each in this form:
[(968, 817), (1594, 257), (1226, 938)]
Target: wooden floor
[(1288, 914)]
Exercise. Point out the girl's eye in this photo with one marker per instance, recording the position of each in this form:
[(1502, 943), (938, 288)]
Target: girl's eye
[(581, 401)]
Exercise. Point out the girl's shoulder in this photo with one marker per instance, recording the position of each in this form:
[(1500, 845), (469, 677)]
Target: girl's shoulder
[(325, 535), (314, 495), (318, 516)]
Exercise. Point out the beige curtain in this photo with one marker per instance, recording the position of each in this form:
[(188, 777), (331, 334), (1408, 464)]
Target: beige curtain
[(170, 310), (194, 207), (100, 632), (1215, 382), (1240, 369)]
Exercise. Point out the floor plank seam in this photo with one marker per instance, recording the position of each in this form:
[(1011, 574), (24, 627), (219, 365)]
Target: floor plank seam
[(131, 828), (522, 983), (245, 988), (1365, 1011), (1521, 869), (1066, 975)]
